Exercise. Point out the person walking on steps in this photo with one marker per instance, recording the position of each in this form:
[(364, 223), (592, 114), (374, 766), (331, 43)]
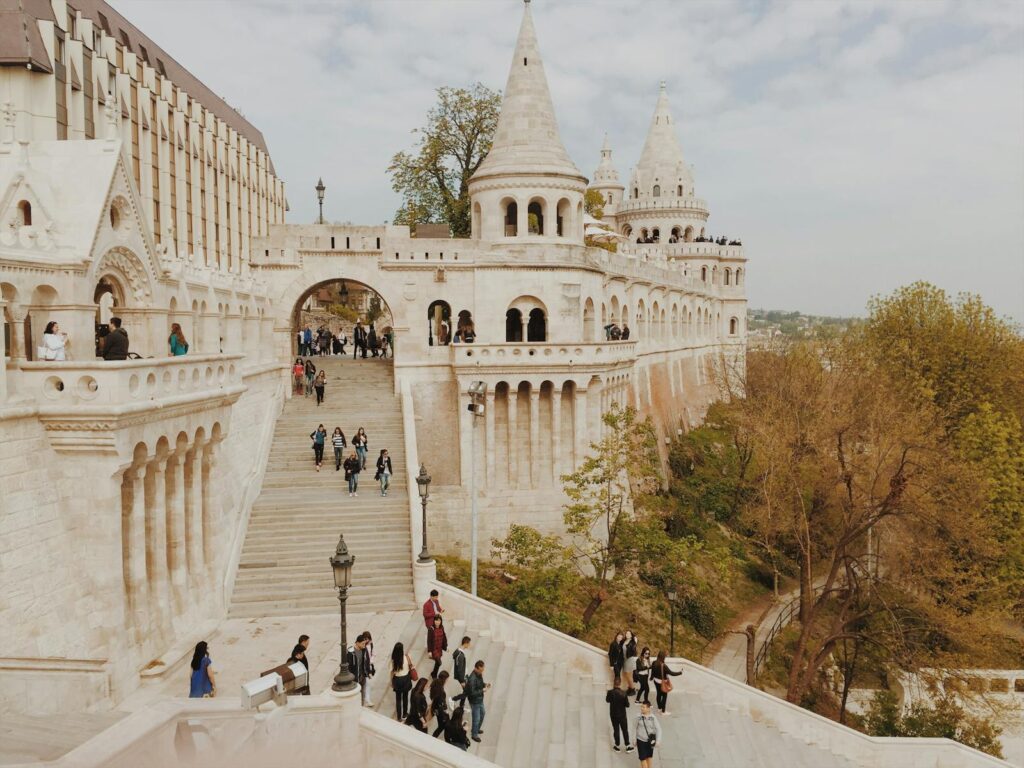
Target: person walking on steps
[(642, 673), (352, 474), (307, 342), (310, 375), (439, 704), (455, 731), (299, 375), (361, 443), (618, 703), (475, 688), (202, 684), (615, 658), (401, 680), (419, 710), (432, 608), (358, 340), (384, 471), (437, 643), (319, 437), (318, 384), (648, 734), (459, 661), (662, 676), (629, 664), (339, 445)]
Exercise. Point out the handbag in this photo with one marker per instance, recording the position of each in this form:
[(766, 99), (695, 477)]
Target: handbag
[(413, 674), (666, 686)]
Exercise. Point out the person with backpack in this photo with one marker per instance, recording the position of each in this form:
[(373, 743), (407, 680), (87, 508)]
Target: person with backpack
[(319, 437), (352, 467), (661, 677), (648, 734), (437, 644), (338, 443)]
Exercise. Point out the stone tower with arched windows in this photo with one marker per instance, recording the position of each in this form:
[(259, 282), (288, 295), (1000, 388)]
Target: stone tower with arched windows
[(606, 180), (527, 187)]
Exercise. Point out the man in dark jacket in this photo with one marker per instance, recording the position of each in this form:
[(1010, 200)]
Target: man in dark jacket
[(475, 687), (625, 332), (618, 702), (115, 345), (358, 340), (459, 661)]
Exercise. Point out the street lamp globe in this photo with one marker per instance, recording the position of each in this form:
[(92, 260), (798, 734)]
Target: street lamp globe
[(320, 189), (423, 482), (341, 564)]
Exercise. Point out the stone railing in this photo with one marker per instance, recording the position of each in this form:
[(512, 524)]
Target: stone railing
[(396, 745), (127, 385), (543, 354), (663, 203), (684, 250)]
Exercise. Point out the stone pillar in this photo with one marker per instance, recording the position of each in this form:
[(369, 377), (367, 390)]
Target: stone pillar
[(522, 221), (580, 427), (210, 336), (176, 530), (556, 433), (206, 510), (194, 518), (534, 464), (135, 546), (3, 361), (18, 341), (156, 543), (232, 333), (513, 437), (489, 436)]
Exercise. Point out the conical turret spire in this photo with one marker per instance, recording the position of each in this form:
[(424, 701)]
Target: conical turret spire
[(526, 139), (606, 169), (662, 158)]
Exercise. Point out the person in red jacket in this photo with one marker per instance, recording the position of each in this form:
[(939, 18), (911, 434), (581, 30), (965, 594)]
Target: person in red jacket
[(431, 608), (437, 644)]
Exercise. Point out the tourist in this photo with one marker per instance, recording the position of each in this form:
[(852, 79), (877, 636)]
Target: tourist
[(310, 375), (318, 384), (642, 675), (304, 642), (389, 334), (648, 734), (115, 345), (459, 661), (384, 471), (629, 663), (339, 444), (298, 340), (661, 677), (384, 346), (298, 655), (475, 687), (55, 342), (615, 657), (368, 650), (358, 340), (352, 467), (299, 375), (176, 341), (371, 341), (342, 341), (361, 443), (319, 437), (625, 332), (419, 710), (325, 342), (202, 684), (469, 334), (439, 703), (401, 680), (437, 643), (618, 703), (431, 608), (358, 663), (616, 333), (307, 342), (455, 731)]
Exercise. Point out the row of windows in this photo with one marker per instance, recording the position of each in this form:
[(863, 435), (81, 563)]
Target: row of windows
[(656, 191)]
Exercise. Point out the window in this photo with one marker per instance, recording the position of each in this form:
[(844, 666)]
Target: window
[(513, 325), (25, 213), (636, 193), (511, 218), (124, 39), (535, 217), (657, 191), (439, 318), (727, 278), (734, 326), (536, 327), (704, 274), (679, 190)]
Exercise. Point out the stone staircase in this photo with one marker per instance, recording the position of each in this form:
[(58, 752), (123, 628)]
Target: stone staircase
[(296, 520)]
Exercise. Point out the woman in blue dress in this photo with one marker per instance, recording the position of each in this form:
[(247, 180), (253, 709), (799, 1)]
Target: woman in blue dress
[(202, 685)]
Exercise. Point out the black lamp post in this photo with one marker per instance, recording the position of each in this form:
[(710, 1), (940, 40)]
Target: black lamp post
[(341, 564), (320, 197), (423, 483), (672, 622)]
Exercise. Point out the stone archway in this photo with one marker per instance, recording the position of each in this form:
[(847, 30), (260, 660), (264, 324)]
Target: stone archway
[(338, 305)]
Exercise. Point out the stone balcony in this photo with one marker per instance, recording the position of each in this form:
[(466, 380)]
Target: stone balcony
[(84, 405), (548, 356)]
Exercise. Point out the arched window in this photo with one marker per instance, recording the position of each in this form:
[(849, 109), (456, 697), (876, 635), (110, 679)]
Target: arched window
[(513, 325), (703, 274), (727, 277), (734, 326), (535, 217), (439, 323), (24, 213), (537, 326), (627, 230), (465, 331), (674, 237), (636, 193), (589, 321), (679, 190), (657, 191), (656, 234), (688, 234), (739, 276), (511, 217), (564, 216)]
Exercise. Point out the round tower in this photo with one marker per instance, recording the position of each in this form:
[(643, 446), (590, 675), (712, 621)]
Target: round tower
[(661, 203), (606, 180), (527, 188)]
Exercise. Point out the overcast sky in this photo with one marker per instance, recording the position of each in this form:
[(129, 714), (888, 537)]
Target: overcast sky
[(853, 146)]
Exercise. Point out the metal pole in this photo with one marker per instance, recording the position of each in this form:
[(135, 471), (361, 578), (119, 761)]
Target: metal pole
[(472, 494), (321, 212), (344, 680), (672, 632), (424, 555)]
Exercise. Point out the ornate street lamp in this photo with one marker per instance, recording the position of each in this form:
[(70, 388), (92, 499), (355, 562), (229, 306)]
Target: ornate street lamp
[(423, 484), (320, 197), (341, 564), (672, 621)]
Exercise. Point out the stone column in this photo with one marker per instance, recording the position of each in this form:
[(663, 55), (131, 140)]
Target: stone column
[(513, 437), (233, 333), (267, 340), (580, 427), (210, 336), (522, 221), (176, 530), (534, 465), (156, 543), (3, 361), (135, 546), (194, 518), (489, 435), (556, 433), (206, 510), (18, 340)]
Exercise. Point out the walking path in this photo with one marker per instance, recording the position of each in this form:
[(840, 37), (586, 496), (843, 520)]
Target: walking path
[(730, 654)]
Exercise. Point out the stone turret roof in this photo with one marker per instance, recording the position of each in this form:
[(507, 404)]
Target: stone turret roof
[(606, 172), (526, 140), (662, 157)]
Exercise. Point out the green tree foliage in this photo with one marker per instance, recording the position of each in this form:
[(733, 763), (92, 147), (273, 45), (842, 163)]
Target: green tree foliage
[(375, 309), (433, 179), (343, 311), (593, 203), (944, 718)]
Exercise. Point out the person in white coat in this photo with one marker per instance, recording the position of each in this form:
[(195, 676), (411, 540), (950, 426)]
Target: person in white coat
[(55, 342)]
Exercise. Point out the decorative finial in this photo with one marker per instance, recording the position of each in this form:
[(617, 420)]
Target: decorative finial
[(663, 85)]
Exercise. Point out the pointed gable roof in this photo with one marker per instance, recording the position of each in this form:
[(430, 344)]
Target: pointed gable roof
[(526, 140), (662, 157)]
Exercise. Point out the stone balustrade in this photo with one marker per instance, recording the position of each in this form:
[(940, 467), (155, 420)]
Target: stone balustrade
[(666, 203), (543, 354)]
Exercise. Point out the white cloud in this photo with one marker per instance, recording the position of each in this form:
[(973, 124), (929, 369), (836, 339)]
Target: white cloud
[(853, 145)]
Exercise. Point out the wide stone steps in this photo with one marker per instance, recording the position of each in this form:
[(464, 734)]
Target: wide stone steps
[(295, 521)]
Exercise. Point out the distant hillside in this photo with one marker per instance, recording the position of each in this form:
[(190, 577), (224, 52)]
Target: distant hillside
[(771, 323)]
